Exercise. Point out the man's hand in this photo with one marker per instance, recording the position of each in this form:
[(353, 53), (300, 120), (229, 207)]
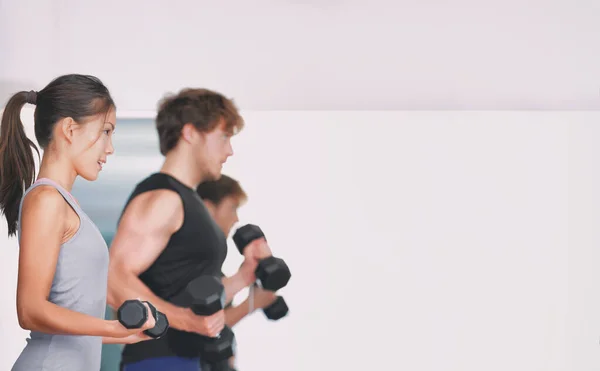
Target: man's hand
[(246, 271), (263, 298), (253, 253), (210, 326), (257, 249)]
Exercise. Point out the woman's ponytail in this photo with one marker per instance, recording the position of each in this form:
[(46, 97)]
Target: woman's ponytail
[(17, 166)]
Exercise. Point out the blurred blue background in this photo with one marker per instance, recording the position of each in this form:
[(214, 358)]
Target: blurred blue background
[(136, 156)]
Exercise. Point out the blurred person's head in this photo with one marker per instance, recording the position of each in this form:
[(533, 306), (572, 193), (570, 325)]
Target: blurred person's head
[(223, 197), (199, 123), (74, 119)]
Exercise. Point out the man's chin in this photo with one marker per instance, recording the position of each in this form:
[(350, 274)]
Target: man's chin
[(211, 176)]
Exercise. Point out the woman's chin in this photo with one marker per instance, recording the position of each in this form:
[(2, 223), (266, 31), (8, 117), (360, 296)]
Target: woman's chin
[(90, 176)]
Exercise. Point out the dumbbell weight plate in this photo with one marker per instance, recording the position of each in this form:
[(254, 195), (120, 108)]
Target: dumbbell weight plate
[(277, 310), (273, 273), (219, 348), (246, 234), (204, 295), (132, 314)]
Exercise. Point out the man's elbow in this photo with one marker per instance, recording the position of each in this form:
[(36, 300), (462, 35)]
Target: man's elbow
[(111, 297), (115, 284), (119, 277)]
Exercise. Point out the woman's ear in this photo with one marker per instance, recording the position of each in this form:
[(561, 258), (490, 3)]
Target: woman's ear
[(67, 127)]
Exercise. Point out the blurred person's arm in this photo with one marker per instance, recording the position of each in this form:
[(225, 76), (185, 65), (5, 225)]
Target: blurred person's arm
[(261, 299)]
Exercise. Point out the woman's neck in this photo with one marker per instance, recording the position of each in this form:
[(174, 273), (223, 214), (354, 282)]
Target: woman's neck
[(58, 171)]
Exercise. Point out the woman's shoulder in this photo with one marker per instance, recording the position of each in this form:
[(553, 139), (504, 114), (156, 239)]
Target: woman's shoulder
[(44, 199)]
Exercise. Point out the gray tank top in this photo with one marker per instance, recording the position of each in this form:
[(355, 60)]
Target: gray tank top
[(79, 284)]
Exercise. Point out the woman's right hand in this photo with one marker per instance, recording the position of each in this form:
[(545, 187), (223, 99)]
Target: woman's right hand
[(186, 320), (121, 331)]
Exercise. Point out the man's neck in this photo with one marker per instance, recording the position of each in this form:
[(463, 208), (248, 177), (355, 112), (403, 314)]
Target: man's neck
[(181, 167)]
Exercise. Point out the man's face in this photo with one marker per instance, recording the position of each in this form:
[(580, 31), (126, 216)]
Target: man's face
[(212, 151), (225, 213)]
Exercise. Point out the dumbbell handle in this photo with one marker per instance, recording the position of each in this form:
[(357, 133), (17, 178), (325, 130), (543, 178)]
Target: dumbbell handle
[(157, 316), (251, 298)]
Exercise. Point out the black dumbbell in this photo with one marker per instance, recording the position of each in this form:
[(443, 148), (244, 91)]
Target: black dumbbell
[(277, 310), (205, 296), (132, 314), (272, 272)]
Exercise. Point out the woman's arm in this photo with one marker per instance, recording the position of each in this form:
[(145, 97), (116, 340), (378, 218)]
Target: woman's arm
[(43, 225), (131, 339)]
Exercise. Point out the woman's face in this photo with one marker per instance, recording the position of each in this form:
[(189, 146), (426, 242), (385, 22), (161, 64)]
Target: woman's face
[(92, 144)]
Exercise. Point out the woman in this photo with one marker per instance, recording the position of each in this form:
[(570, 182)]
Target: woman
[(63, 260)]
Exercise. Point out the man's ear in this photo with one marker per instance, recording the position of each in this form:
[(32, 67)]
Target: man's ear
[(212, 208), (67, 127), (188, 132)]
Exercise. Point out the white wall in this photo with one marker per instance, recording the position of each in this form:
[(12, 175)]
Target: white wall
[(418, 240), (314, 55), (582, 325)]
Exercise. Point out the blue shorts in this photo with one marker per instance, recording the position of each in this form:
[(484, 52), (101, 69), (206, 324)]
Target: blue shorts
[(164, 363)]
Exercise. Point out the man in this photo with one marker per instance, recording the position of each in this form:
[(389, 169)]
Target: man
[(223, 197), (166, 236)]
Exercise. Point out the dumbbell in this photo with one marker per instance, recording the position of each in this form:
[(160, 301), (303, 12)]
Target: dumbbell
[(205, 296), (133, 314), (277, 310), (272, 272)]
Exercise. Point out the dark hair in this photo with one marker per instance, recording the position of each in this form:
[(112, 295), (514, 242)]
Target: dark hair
[(201, 107), (75, 96), (216, 190)]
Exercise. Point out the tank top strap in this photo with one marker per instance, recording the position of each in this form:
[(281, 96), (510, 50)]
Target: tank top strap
[(66, 195)]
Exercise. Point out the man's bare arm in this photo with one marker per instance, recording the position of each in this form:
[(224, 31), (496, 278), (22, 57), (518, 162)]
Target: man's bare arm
[(233, 315), (261, 299), (237, 283), (245, 275), (143, 233)]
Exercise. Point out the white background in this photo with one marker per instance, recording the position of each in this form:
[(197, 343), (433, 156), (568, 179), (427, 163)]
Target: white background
[(314, 55), (418, 240), (421, 241)]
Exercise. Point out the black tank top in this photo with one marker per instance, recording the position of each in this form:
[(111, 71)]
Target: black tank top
[(199, 247)]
